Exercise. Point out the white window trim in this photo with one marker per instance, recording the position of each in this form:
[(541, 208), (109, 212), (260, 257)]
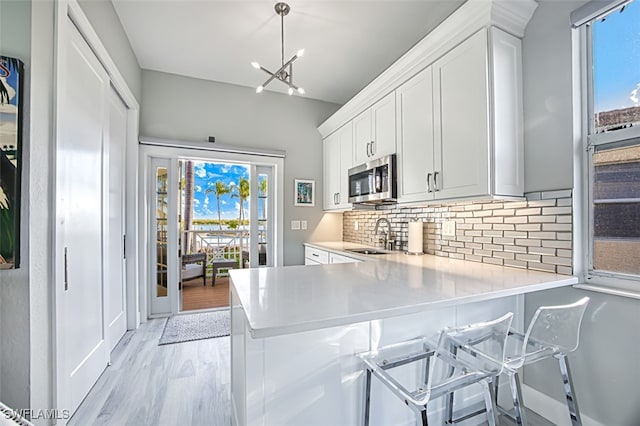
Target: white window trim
[(605, 282)]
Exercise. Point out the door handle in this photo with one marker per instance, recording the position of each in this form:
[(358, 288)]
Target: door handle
[(429, 183), (66, 271), (435, 181)]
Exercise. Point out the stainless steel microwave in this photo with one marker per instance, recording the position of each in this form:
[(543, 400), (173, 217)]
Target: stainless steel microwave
[(374, 182)]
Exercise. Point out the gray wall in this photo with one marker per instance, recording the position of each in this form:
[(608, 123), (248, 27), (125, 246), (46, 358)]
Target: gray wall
[(606, 366), (15, 41), (106, 23), (185, 108)]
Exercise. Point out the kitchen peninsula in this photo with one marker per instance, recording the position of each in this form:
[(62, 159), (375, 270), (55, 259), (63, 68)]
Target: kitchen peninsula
[(295, 329)]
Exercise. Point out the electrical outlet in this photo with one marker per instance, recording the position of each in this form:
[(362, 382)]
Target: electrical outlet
[(303, 225), (295, 225), (449, 228), (355, 225)]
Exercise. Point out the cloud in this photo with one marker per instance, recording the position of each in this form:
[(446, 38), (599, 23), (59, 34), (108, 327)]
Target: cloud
[(197, 188), (9, 109), (198, 170), (223, 202), (206, 202), (634, 95), (196, 203)]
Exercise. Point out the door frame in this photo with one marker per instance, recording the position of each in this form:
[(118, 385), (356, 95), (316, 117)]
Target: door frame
[(171, 149), (70, 11)]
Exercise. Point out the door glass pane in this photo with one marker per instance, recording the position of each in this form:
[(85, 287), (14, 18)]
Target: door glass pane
[(162, 204), (616, 210), (263, 218), (616, 69)]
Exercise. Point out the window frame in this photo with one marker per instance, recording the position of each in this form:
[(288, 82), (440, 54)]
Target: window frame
[(618, 283)]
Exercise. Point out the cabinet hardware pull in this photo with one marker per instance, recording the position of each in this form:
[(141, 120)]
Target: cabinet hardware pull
[(368, 143), (435, 182), (338, 194), (314, 254), (66, 271), (429, 183), (372, 148)]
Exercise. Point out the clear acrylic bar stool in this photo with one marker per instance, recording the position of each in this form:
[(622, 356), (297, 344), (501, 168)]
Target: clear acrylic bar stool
[(553, 332), (462, 356)]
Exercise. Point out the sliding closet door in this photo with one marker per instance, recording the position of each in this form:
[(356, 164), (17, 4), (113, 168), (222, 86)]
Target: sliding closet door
[(82, 113), (114, 272)]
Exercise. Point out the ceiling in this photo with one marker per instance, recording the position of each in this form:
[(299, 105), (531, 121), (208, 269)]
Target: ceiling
[(347, 43)]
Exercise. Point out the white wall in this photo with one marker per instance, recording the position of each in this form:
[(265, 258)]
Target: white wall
[(106, 23), (185, 108), (606, 366), (15, 41)]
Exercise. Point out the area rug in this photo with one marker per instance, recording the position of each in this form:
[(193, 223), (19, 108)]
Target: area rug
[(189, 327)]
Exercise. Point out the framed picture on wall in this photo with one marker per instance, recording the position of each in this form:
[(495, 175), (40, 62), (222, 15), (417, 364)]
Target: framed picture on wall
[(305, 193), (11, 76)]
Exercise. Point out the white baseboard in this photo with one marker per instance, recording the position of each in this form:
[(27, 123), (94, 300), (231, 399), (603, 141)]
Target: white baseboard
[(554, 411)]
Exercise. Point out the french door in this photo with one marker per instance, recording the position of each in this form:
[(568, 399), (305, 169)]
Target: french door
[(163, 191)]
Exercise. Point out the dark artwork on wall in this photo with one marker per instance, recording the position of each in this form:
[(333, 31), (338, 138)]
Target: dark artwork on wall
[(11, 76)]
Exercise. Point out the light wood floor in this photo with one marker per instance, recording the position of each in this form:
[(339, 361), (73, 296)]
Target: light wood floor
[(197, 296), (179, 384)]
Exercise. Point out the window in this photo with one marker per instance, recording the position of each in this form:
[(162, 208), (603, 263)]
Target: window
[(613, 141)]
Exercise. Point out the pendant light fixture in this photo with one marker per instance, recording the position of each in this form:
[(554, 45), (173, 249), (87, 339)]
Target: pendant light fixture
[(285, 72)]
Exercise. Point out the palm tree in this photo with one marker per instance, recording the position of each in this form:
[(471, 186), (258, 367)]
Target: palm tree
[(242, 192), (219, 189)]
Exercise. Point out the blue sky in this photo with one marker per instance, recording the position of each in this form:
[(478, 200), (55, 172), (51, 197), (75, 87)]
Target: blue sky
[(205, 176), (616, 44)]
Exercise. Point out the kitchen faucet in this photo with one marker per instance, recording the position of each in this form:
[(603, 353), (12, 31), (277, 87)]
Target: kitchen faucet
[(384, 236)]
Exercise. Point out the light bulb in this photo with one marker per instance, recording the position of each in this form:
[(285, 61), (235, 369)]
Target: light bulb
[(259, 89), (300, 53), (255, 65), (301, 90), (290, 91)]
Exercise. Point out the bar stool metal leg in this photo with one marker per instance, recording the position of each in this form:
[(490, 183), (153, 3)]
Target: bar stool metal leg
[(516, 395), (367, 397), (572, 403), (492, 415)]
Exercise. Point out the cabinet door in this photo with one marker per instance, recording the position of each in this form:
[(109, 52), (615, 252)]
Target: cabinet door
[(362, 137), (345, 155), (383, 114), (461, 120), (337, 258), (331, 160), (415, 138)]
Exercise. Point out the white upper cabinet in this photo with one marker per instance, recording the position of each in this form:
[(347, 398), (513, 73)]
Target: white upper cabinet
[(415, 138), (453, 105), (338, 159), (375, 130), (461, 137), (461, 166)]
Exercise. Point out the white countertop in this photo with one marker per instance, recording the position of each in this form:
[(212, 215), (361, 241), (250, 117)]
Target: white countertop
[(292, 299)]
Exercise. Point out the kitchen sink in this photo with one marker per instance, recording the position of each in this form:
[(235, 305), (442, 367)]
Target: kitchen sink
[(367, 251)]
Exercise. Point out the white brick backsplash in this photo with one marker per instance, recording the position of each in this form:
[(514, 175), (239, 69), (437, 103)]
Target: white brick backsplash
[(529, 227), (516, 219), (557, 227), (556, 210), (534, 234)]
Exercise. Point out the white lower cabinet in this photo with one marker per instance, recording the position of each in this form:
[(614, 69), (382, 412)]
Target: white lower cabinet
[(314, 256), (338, 258), (460, 123)]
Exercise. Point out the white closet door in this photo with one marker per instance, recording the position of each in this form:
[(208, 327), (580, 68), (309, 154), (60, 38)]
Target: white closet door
[(81, 341), (114, 273)]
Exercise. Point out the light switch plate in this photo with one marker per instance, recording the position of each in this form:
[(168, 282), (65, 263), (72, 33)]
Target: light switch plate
[(449, 228), (303, 225), (295, 225)]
